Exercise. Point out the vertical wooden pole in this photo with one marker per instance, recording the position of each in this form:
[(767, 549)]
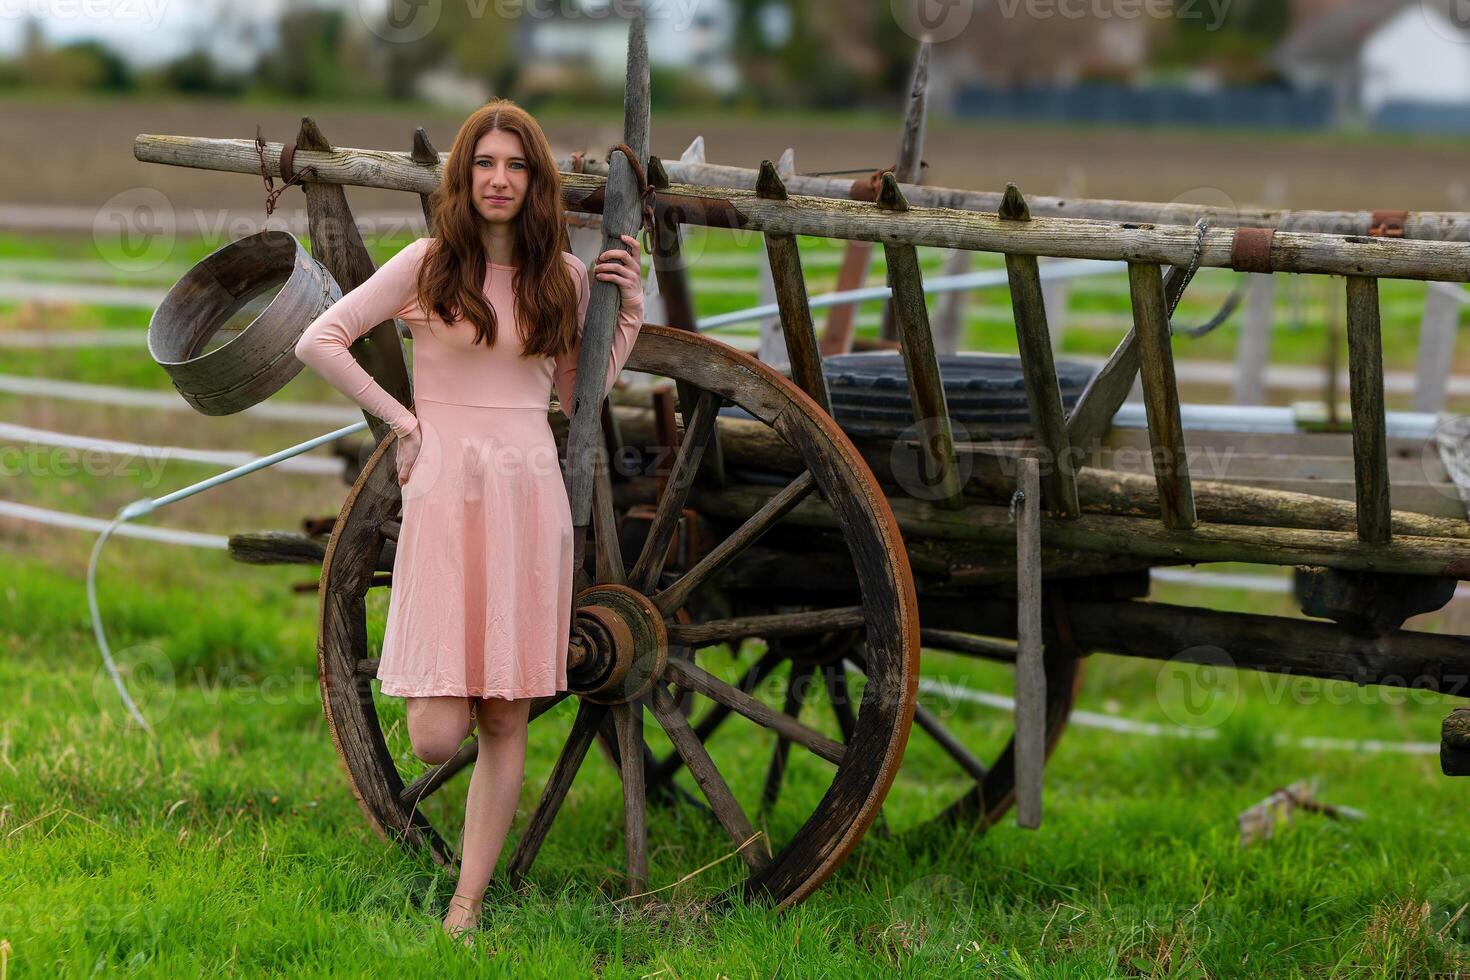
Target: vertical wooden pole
[(622, 214), (789, 288), (1161, 395), (909, 169), (1043, 392), (1365, 391), (1030, 670), (423, 153), (772, 346), (921, 364)]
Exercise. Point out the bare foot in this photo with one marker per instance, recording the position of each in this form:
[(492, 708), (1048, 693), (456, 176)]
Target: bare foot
[(462, 918)]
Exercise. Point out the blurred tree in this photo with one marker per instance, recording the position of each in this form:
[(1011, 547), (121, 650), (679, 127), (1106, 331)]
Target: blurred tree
[(821, 53), (316, 54), (472, 39), (1235, 44), (196, 73), (78, 66)]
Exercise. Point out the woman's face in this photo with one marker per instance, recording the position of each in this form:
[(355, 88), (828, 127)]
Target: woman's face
[(499, 175)]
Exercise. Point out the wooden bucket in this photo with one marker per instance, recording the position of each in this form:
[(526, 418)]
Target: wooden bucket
[(229, 294)]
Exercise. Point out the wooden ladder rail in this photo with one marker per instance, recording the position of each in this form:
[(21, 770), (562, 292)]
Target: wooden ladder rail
[(1369, 422), (921, 363), (1161, 395), (1043, 392), (802, 348)]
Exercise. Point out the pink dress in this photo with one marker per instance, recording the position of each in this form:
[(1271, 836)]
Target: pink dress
[(482, 579)]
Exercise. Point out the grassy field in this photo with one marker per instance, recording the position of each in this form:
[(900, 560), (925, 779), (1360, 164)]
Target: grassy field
[(233, 846)]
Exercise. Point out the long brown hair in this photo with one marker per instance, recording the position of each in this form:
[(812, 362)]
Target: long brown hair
[(452, 275)]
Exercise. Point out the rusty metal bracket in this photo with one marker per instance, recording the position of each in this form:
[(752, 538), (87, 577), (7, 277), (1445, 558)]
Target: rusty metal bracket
[(1388, 224), (1251, 249)]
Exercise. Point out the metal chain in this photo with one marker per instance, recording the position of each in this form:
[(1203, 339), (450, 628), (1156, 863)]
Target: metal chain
[(273, 193)]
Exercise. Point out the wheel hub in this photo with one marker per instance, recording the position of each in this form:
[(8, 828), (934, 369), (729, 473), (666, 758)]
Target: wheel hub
[(618, 644)]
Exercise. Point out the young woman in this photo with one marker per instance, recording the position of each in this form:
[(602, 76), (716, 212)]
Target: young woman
[(480, 611)]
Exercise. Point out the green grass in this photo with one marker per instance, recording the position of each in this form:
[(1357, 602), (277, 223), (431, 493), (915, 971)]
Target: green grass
[(237, 847)]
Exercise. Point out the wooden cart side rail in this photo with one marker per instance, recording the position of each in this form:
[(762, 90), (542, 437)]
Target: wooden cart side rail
[(1431, 226), (1290, 251), (890, 219)]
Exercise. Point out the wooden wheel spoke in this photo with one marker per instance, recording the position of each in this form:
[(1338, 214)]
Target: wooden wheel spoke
[(773, 625), (687, 675), (698, 426), (837, 692), (795, 699), (716, 715), (589, 716), (754, 526), (707, 775), (952, 746), (605, 525), (628, 719)]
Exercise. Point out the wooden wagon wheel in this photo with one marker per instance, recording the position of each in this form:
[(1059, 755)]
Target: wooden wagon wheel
[(820, 669), (619, 658)]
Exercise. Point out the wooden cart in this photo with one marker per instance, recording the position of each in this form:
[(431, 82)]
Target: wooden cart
[(771, 523)]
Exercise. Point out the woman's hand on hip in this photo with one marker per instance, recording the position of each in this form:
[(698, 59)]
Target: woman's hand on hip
[(623, 268), (407, 451)]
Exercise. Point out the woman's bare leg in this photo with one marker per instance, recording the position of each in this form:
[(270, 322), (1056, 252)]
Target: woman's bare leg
[(495, 789), (437, 726)]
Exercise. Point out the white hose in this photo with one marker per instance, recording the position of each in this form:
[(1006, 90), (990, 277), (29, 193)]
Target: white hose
[(139, 508)]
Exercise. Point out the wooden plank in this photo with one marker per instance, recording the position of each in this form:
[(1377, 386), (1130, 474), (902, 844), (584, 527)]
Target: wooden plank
[(789, 284), (1161, 395), (1365, 391), (771, 348), (621, 214), (424, 154), (1043, 393), (1141, 537), (921, 364), (628, 718), (1030, 738), (909, 166), (848, 220)]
